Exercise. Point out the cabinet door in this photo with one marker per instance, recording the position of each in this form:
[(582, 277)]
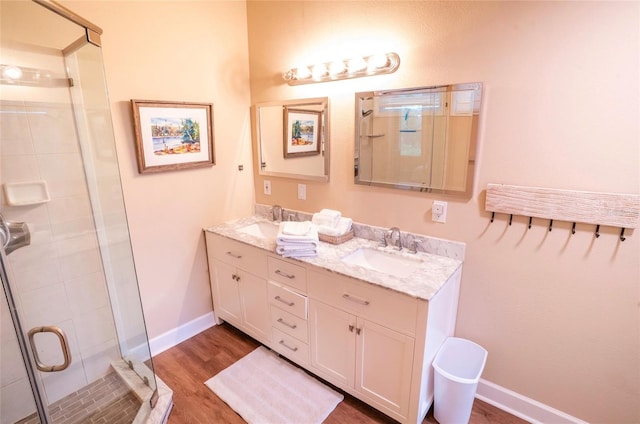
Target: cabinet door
[(256, 315), (332, 342), (226, 295), (384, 364)]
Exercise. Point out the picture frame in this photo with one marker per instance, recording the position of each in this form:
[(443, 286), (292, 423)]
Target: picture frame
[(172, 136), (302, 129)]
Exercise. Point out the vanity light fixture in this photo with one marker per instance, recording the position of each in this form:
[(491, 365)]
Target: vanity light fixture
[(343, 69)]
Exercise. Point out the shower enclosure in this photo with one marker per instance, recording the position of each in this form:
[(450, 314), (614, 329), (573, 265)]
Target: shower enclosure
[(74, 346)]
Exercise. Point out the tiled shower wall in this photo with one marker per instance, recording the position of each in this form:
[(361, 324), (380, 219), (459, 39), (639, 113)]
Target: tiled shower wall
[(58, 279)]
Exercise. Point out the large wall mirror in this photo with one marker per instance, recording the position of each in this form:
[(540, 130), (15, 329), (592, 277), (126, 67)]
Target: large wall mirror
[(420, 139), (293, 138)]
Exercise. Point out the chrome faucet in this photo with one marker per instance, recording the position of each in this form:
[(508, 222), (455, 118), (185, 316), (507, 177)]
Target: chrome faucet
[(389, 237), (276, 213)]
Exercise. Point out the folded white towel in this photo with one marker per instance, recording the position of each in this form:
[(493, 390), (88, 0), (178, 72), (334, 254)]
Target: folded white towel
[(326, 217), (343, 227), (332, 213), (299, 254), (293, 228), (310, 237)]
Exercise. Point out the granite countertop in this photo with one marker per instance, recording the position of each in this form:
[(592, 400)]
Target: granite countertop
[(423, 283)]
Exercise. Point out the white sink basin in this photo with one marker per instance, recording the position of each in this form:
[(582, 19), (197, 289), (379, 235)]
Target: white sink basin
[(262, 230), (383, 261)]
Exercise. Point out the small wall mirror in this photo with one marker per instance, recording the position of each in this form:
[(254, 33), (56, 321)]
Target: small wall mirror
[(420, 139), (293, 138)]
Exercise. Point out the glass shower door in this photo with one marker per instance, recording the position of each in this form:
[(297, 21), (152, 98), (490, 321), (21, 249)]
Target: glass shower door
[(76, 341)]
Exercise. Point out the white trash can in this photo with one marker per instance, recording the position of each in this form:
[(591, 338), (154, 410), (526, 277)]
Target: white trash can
[(458, 364)]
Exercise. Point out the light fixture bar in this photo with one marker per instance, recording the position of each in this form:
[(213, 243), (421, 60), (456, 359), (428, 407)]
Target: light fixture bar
[(343, 69)]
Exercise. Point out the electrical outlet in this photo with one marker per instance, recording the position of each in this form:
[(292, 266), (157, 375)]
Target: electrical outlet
[(267, 187), (302, 191), (439, 211)]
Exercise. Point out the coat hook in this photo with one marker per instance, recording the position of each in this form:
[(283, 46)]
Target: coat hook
[(622, 237), (550, 224), (493, 215), (510, 218), (597, 230), (573, 228), (530, 221)]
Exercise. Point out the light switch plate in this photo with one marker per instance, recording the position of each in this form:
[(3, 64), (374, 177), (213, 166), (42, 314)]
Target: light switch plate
[(439, 211), (302, 191), (267, 187)]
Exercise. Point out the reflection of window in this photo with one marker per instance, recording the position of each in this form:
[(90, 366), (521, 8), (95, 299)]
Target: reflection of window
[(465, 103), (425, 103)]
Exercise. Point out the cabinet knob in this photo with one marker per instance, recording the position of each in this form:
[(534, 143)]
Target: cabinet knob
[(351, 327)]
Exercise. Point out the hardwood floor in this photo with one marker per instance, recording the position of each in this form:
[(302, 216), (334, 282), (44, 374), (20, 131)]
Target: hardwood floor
[(185, 368)]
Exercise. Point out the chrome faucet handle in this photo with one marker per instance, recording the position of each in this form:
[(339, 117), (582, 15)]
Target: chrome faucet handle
[(411, 243), (389, 236), (276, 213)]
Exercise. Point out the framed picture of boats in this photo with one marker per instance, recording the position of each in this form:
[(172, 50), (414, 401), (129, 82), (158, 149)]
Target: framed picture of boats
[(302, 130), (172, 136)]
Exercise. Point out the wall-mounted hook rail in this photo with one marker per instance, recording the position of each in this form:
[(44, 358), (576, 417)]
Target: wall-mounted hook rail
[(610, 209)]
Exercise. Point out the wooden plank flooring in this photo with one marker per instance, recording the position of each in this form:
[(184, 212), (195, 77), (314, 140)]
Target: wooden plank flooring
[(185, 368)]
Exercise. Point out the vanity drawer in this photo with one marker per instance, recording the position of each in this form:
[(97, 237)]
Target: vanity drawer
[(237, 254), (289, 346), (287, 273), (378, 304), (287, 300), (289, 323)]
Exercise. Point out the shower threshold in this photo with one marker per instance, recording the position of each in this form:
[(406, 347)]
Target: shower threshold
[(120, 397)]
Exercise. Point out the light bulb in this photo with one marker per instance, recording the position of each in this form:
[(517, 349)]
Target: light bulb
[(12, 72), (356, 64), (302, 72), (336, 67), (319, 70), (377, 61)]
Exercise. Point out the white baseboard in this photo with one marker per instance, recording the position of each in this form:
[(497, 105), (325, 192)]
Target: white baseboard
[(173, 337), (522, 406)]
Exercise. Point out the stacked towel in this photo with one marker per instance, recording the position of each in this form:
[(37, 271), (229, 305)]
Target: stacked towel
[(297, 239), (331, 223)]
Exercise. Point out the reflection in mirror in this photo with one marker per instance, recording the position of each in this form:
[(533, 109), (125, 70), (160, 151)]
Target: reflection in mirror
[(418, 139), (293, 138)]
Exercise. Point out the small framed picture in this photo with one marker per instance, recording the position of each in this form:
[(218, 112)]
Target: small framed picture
[(171, 136), (302, 129)]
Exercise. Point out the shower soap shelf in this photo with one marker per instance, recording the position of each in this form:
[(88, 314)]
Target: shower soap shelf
[(610, 209), (24, 194)]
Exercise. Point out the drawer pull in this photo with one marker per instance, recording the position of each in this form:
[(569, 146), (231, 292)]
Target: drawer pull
[(283, 322), (234, 255), (285, 275), (355, 299), (279, 299), (294, 349)]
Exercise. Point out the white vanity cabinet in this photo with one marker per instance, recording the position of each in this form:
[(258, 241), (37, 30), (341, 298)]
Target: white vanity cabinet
[(362, 338), (373, 342), (239, 285)]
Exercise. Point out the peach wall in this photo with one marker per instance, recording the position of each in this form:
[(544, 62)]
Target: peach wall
[(178, 51), (558, 313)]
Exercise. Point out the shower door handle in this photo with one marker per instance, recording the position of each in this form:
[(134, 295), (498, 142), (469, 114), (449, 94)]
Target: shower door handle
[(64, 344)]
